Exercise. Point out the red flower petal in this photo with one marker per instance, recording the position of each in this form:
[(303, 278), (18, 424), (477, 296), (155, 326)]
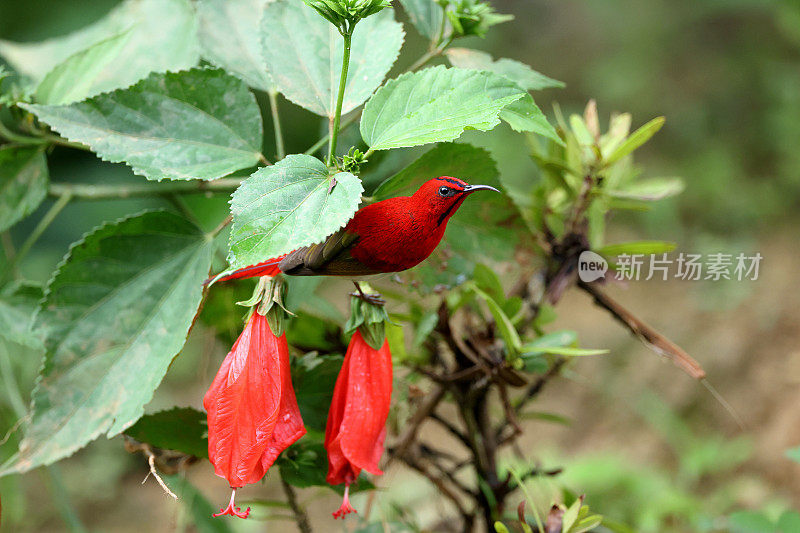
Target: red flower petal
[(356, 425), (252, 411)]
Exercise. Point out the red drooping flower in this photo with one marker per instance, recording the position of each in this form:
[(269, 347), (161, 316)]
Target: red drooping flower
[(356, 425), (252, 410)]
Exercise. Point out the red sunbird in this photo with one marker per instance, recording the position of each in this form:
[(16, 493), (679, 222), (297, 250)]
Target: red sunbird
[(388, 236)]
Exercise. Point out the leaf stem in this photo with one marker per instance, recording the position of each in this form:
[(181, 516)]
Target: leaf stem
[(276, 124), (37, 232), (337, 117), (85, 191), (21, 139)]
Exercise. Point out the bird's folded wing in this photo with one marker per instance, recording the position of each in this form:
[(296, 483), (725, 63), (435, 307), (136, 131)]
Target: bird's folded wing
[(330, 257)]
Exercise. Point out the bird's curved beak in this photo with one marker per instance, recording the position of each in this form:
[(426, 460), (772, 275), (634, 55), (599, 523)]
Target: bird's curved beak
[(474, 188)]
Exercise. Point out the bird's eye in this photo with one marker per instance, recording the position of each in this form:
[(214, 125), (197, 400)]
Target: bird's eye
[(445, 192)]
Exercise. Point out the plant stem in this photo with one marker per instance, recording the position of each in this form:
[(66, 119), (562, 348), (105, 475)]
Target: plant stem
[(337, 117), (276, 124), (300, 515), (37, 232), (81, 191), (21, 139)]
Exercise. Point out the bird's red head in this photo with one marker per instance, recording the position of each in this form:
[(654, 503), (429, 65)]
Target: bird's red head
[(443, 196)]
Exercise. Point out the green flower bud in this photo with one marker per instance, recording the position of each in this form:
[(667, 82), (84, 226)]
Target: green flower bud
[(344, 14), (473, 17)]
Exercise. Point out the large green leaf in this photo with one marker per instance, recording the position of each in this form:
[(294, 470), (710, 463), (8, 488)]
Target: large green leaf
[(163, 36), (23, 183), (81, 74), (303, 52), (434, 105), (289, 205), (314, 377), (230, 38), (117, 311), (195, 124), (426, 16), (519, 73), (18, 304), (182, 429)]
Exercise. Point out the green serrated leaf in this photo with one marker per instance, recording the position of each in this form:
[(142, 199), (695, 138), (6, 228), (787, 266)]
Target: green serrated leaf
[(435, 105), (636, 139), (182, 429), (636, 247), (519, 73), (289, 205), (163, 36), (426, 16), (230, 38), (23, 183), (525, 115), (196, 124), (117, 312), (81, 75), (304, 53), (18, 304)]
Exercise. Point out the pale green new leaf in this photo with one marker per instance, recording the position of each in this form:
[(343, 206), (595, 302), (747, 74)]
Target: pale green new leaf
[(230, 38), (434, 105), (303, 52), (23, 183), (80, 75), (289, 205), (519, 73), (426, 16), (650, 190), (195, 124), (569, 351), (116, 313), (636, 247), (163, 36), (636, 139), (503, 323)]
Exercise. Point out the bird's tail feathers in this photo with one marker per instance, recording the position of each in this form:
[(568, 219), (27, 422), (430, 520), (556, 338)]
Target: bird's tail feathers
[(266, 268)]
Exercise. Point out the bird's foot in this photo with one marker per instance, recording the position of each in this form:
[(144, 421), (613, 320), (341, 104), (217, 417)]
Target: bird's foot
[(374, 299)]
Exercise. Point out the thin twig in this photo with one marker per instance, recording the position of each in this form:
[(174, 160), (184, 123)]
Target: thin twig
[(151, 460), (85, 191), (438, 482), (650, 337), (300, 515), (37, 232), (425, 409)]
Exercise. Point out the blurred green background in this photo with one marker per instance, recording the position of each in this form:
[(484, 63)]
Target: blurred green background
[(649, 447)]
